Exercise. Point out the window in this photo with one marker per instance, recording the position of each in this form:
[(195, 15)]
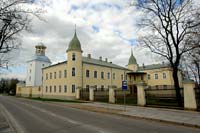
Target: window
[(87, 73), (113, 75), (30, 70), (54, 75), (73, 57), (156, 76), (149, 76), (102, 75), (87, 88), (30, 64), (134, 78), (73, 71), (60, 88), (46, 76), (95, 87), (164, 76), (65, 73), (50, 89), (108, 75), (60, 74), (43, 65), (46, 88), (164, 86), (102, 87), (54, 88), (95, 74), (65, 88), (73, 88), (29, 78), (122, 77), (142, 77), (50, 75)]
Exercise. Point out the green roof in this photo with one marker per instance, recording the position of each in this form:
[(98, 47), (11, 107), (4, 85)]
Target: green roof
[(94, 62), (101, 63), (153, 66), (132, 59), (74, 44)]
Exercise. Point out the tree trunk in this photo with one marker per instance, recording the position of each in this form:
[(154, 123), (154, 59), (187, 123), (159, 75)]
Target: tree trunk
[(176, 85)]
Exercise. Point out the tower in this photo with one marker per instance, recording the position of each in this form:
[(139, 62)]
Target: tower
[(132, 63), (35, 65), (74, 63)]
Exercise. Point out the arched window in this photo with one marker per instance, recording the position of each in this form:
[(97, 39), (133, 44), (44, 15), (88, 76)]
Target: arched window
[(87, 73), (73, 71), (73, 57)]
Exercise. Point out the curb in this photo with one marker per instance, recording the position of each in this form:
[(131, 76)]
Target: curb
[(137, 117)]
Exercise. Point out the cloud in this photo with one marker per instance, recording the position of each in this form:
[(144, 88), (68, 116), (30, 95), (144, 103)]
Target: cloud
[(104, 28)]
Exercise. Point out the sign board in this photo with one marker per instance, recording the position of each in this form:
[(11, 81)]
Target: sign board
[(124, 85)]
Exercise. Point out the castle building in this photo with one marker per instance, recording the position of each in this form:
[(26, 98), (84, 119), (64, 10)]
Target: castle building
[(155, 76), (35, 65), (61, 80)]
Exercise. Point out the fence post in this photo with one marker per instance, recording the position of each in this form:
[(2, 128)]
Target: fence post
[(91, 94), (189, 95), (78, 89), (111, 95), (141, 100)]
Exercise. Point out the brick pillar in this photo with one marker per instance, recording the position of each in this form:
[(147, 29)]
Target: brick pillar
[(141, 100), (189, 95), (111, 95), (91, 94)]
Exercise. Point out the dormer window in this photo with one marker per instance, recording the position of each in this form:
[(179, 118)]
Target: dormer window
[(73, 57)]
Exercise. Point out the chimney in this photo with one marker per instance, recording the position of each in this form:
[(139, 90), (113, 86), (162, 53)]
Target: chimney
[(89, 56), (143, 65), (100, 58), (106, 59)]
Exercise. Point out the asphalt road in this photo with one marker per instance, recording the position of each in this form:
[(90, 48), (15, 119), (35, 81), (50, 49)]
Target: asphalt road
[(31, 116)]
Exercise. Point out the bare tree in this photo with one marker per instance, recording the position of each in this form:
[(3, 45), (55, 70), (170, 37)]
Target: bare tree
[(167, 25), (15, 16)]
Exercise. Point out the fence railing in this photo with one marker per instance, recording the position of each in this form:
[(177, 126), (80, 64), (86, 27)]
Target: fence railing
[(101, 95), (130, 99), (162, 97)]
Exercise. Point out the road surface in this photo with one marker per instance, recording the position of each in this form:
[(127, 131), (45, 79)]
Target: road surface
[(30, 116)]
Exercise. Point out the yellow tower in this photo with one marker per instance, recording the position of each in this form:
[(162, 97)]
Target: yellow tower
[(74, 64), (132, 63)]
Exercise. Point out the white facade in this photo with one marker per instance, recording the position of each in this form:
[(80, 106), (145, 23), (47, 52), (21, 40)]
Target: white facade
[(35, 65), (34, 72)]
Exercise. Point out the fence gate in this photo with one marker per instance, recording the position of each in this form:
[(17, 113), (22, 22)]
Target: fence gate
[(101, 95), (131, 98), (162, 97), (84, 94)]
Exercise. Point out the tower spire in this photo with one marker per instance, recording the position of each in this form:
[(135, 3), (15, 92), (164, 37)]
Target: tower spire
[(131, 51), (75, 28)]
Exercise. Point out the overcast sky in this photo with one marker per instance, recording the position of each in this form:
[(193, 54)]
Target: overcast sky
[(105, 28)]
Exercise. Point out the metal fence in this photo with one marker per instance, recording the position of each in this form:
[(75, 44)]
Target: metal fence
[(84, 94), (130, 99), (163, 97), (101, 95)]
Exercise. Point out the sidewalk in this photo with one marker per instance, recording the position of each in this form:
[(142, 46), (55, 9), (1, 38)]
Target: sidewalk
[(181, 117)]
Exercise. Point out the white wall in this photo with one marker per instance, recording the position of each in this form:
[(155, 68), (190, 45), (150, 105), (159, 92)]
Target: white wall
[(35, 72)]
